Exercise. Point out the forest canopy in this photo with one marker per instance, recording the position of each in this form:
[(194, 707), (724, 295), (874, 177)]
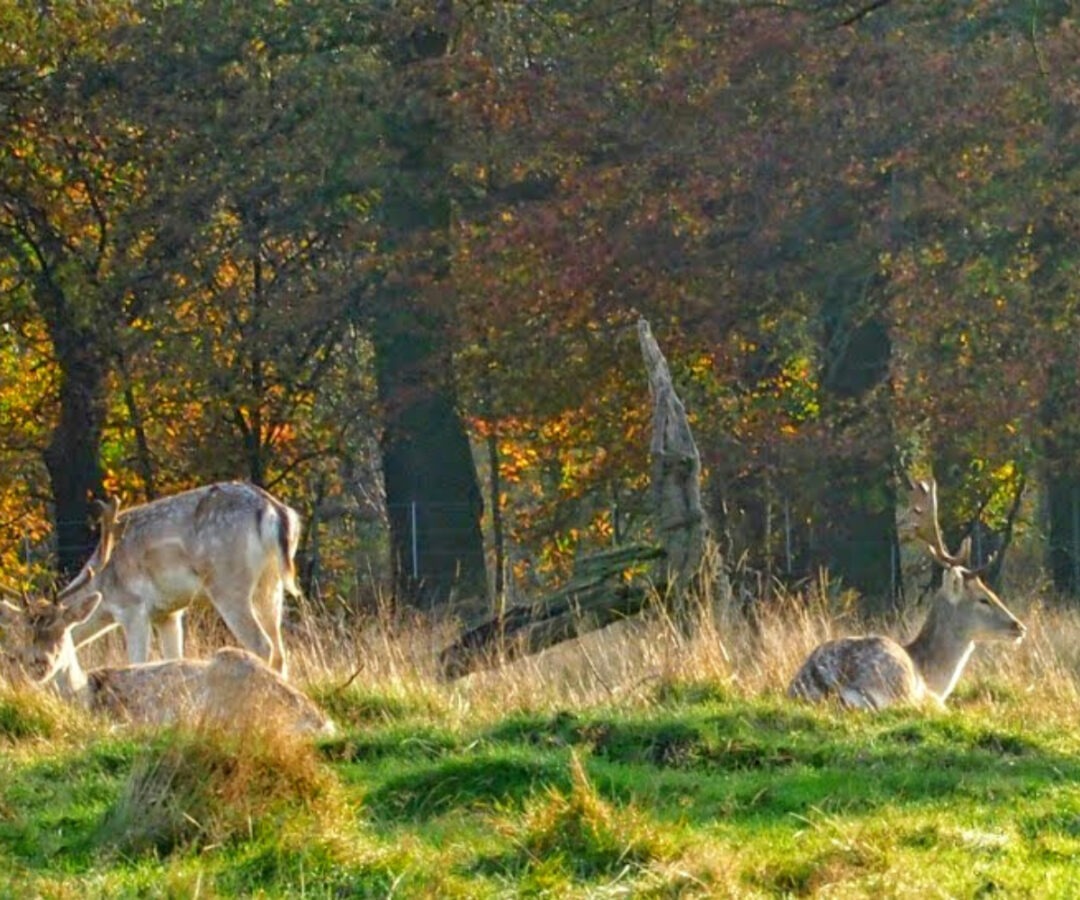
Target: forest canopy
[(386, 259)]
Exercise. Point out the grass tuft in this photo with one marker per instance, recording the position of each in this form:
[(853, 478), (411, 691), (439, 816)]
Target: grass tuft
[(26, 713), (209, 787), (581, 833)]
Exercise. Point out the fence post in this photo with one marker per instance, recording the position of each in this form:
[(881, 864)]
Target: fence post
[(1075, 537), (415, 541), (788, 553), (894, 571)]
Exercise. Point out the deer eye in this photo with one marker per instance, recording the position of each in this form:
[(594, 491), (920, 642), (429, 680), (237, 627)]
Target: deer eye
[(985, 601)]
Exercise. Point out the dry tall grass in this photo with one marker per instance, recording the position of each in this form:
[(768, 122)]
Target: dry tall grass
[(207, 786), (626, 662)]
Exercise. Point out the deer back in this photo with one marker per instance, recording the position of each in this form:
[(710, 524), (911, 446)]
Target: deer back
[(158, 556), (869, 672), (232, 689)]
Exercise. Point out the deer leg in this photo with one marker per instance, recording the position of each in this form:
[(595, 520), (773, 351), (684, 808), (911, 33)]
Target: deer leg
[(269, 602), (170, 632), (136, 625), (241, 620)]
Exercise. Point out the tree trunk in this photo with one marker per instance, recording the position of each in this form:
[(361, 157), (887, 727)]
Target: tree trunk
[(1061, 478), (432, 492), (432, 489), (71, 456), (858, 503), (676, 487), (144, 460)]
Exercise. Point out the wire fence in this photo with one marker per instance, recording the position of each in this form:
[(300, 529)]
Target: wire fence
[(352, 546)]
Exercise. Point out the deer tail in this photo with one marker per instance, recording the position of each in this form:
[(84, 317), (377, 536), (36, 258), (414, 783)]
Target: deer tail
[(286, 535), (288, 539)]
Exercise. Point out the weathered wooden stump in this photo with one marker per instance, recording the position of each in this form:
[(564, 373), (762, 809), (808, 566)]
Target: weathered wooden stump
[(614, 584)]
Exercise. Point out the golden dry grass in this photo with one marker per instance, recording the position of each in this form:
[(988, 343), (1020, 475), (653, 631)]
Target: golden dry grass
[(626, 662)]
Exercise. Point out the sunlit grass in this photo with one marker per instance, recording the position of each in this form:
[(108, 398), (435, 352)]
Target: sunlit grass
[(631, 762)]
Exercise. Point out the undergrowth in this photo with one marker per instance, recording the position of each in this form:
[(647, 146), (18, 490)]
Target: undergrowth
[(631, 762)]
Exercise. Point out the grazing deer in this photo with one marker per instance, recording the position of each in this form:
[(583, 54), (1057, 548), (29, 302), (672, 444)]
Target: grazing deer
[(874, 671), (233, 688), (230, 542)]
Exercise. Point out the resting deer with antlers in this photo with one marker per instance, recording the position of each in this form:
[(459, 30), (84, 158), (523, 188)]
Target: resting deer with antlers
[(232, 543), (874, 671), (233, 688)]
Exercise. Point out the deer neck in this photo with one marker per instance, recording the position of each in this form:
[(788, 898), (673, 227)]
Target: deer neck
[(940, 651)]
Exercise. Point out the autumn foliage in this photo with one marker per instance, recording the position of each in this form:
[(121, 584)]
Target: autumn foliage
[(239, 241)]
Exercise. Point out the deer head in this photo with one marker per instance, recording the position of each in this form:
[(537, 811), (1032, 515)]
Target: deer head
[(38, 633), (975, 611)]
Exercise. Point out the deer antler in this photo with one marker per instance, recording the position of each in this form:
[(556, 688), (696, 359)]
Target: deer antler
[(84, 577), (19, 595), (921, 518), (110, 529)]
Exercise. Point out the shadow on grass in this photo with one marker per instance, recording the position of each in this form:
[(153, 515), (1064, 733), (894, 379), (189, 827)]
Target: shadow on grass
[(356, 707), (882, 762), (397, 742), (763, 759), (734, 761), (485, 779)]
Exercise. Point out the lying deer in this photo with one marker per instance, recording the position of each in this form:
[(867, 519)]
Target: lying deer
[(873, 672), (232, 543), (232, 688)]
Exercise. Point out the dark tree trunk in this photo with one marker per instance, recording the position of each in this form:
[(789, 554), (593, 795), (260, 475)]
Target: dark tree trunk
[(72, 454), (858, 520), (1063, 509), (433, 496), (1062, 481), (432, 490)]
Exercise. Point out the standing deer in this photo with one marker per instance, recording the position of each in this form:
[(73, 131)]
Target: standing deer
[(874, 671), (233, 688), (232, 543)]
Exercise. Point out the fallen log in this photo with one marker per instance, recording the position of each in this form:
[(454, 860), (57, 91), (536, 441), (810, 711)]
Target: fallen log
[(596, 595)]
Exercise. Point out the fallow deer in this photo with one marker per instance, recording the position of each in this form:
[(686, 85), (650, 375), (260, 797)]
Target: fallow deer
[(874, 671), (232, 543), (231, 689)]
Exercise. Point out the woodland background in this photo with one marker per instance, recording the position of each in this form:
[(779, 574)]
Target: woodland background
[(385, 259)]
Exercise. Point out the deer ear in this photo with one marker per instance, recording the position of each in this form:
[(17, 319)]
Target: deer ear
[(78, 611), (965, 551)]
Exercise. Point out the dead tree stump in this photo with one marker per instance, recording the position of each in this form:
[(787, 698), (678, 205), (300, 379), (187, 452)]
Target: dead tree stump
[(676, 485), (620, 582)]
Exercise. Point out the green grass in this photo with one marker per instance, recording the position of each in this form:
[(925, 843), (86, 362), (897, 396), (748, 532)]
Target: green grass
[(692, 791)]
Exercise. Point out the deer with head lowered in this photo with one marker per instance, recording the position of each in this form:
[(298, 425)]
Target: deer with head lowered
[(874, 671), (230, 542), (232, 689)]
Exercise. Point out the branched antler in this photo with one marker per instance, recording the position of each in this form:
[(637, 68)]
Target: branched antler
[(921, 519), (110, 528)]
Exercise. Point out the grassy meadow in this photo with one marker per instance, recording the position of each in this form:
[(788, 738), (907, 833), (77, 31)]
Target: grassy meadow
[(628, 763)]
